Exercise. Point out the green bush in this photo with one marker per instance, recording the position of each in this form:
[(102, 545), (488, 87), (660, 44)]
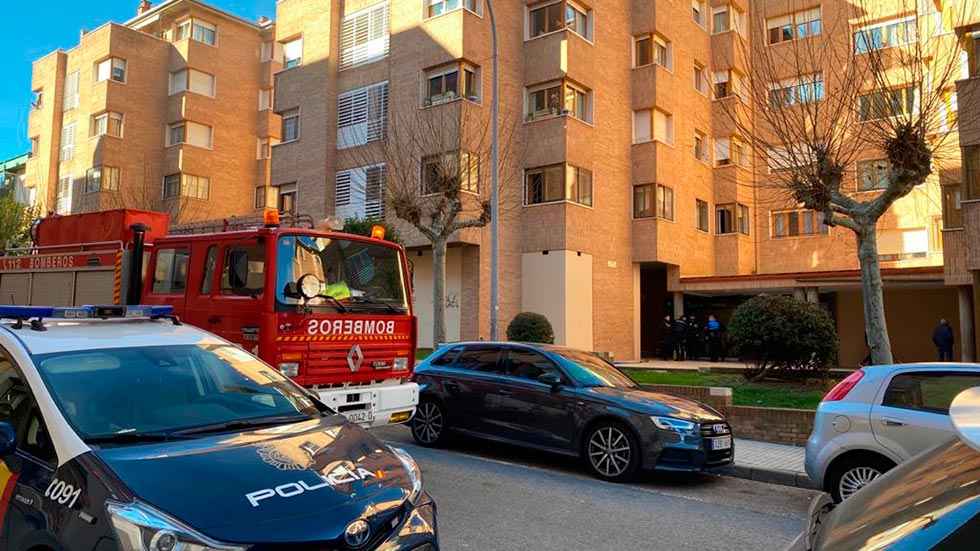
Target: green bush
[(530, 327), (362, 226), (783, 337)]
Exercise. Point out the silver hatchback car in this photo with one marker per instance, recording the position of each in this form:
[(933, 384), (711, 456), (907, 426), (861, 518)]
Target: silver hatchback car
[(880, 416)]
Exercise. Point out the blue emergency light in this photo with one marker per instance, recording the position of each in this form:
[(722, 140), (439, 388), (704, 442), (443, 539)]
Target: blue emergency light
[(85, 312)]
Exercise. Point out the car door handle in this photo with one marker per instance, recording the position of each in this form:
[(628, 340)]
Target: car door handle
[(892, 422), (504, 392)]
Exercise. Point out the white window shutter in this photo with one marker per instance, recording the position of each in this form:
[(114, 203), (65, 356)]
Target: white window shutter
[(377, 112), (342, 195), (364, 36), (374, 204), (641, 126)]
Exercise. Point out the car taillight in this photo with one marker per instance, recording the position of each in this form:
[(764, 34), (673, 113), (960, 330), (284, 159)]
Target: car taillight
[(842, 388)]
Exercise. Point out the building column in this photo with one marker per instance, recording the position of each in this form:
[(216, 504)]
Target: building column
[(812, 295), (967, 352), (678, 305), (637, 314)]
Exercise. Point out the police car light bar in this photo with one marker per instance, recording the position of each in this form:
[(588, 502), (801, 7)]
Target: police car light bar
[(85, 312)]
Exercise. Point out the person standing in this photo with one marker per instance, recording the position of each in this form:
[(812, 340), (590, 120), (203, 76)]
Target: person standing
[(679, 330), (713, 328), (942, 337), (667, 345)]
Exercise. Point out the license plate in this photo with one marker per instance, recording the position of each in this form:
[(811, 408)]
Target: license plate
[(723, 443), (359, 416)]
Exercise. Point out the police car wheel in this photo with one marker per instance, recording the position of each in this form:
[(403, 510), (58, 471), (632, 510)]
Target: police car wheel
[(429, 423)]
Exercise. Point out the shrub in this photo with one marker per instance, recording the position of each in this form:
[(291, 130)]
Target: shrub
[(362, 226), (783, 337), (530, 327)]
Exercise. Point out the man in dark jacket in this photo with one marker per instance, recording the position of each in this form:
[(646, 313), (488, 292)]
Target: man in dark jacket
[(942, 337), (667, 348)]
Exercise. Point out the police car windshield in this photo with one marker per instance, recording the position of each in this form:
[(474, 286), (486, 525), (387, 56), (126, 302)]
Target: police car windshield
[(157, 390), (355, 275)]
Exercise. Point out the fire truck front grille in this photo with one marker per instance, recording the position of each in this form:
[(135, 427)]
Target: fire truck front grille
[(365, 364)]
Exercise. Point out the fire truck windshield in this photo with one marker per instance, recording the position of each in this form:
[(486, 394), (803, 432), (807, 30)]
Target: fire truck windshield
[(340, 274)]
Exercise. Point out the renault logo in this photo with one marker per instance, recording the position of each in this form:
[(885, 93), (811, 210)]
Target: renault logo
[(357, 534), (354, 358)]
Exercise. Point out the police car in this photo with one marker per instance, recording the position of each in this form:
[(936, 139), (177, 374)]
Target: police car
[(122, 429)]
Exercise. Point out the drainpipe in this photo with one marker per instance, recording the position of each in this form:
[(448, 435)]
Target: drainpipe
[(967, 352)]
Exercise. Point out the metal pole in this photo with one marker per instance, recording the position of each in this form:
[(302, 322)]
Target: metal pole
[(494, 184)]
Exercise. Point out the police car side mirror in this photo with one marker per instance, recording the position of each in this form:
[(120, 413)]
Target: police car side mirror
[(8, 439)]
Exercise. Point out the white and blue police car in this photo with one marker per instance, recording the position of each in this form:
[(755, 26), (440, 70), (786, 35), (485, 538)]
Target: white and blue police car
[(122, 429)]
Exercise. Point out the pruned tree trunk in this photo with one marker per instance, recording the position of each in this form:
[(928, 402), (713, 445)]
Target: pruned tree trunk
[(438, 291), (872, 290)]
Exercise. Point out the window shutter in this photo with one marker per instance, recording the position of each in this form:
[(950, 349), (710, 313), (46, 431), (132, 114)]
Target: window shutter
[(349, 194), (377, 112), (364, 36), (374, 204), (201, 83), (641, 126), (723, 148), (782, 21)]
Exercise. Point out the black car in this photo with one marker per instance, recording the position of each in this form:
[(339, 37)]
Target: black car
[(565, 401), (931, 501)]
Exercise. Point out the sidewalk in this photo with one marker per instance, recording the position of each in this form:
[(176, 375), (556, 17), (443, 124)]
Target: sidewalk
[(767, 462)]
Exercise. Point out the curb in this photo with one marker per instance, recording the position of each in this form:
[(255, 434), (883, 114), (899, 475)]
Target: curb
[(771, 476)]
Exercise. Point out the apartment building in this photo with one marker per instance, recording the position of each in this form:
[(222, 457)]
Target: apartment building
[(633, 194), (159, 112), (13, 179)]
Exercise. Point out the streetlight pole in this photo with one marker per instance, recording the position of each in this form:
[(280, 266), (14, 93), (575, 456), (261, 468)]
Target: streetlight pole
[(494, 184)]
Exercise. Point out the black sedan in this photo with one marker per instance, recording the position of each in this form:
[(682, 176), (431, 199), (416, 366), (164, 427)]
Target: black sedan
[(565, 401)]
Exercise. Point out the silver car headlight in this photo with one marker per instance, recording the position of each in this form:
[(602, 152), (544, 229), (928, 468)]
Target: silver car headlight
[(140, 527), (672, 424), (414, 472)]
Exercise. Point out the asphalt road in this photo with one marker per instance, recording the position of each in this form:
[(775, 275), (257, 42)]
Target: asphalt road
[(498, 498)]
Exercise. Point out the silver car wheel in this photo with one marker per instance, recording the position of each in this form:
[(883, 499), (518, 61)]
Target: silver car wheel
[(428, 423), (610, 451), (854, 479)]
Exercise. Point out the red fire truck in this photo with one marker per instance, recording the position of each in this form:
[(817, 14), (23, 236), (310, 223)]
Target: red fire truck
[(333, 311)]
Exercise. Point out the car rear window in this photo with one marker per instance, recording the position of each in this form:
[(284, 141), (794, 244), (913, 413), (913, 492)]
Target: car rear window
[(928, 390)]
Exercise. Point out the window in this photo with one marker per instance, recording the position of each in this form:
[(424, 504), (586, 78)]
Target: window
[(267, 52), (740, 154), (70, 100), (198, 30), (359, 193), (902, 243), (664, 201), (732, 218), (930, 391), (244, 270), (796, 223), (35, 145), (952, 207), (721, 22), (63, 195), (439, 7), (170, 273), (191, 133), (643, 201), (886, 103), (700, 146), (186, 185), (362, 115), (577, 19), (662, 54), (805, 89), (545, 19), (364, 36), (559, 98), (263, 149), (526, 364), (797, 25), (449, 171), (480, 358), (107, 124), (67, 142), (971, 164), (653, 124), (260, 196), (37, 99), (292, 53), (286, 196), (112, 68), (885, 35), (873, 175), (702, 215), (102, 178), (445, 84), (700, 78), (210, 262), (792, 156), (723, 151), (562, 182), (699, 11), (266, 99), (290, 125), (191, 80), (642, 51)]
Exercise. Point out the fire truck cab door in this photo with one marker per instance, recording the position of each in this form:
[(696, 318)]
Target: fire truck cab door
[(238, 298), (169, 270)]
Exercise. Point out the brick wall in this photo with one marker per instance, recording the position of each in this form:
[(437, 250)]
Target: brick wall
[(779, 425)]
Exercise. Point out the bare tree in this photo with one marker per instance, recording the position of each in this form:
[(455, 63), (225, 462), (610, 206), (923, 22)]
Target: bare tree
[(144, 192), (820, 95), (436, 164)]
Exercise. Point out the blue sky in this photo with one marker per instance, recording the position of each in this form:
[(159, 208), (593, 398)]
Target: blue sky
[(37, 27)]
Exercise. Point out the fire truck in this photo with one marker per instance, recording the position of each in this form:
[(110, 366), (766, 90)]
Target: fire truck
[(332, 311)]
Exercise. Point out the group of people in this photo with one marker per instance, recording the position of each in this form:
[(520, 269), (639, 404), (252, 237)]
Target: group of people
[(685, 338)]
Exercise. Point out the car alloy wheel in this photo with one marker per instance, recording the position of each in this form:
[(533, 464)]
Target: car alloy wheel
[(428, 423), (856, 478), (610, 451)]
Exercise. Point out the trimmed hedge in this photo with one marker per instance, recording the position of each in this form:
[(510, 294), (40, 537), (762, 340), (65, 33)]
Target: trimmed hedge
[(530, 327)]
